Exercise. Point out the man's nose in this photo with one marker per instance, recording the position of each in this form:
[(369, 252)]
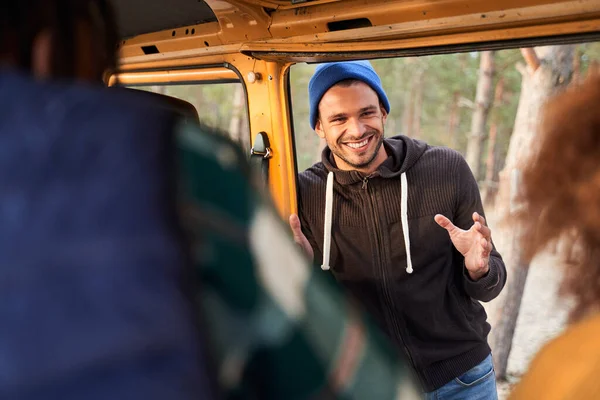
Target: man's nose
[(355, 127)]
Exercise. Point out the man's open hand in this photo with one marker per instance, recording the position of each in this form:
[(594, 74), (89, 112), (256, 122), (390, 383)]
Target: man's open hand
[(475, 244)]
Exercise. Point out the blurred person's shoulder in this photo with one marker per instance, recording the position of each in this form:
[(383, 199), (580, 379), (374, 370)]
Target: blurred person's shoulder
[(57, 100), (567, 367), (221, 195)]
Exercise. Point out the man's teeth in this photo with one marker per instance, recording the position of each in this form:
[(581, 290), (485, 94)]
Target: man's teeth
[(359, 144)]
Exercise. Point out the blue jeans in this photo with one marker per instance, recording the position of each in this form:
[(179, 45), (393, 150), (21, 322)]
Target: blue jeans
[(478, 383)]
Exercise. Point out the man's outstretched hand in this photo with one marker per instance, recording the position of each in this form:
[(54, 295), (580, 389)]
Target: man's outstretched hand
[(299, 237), (475, 244)]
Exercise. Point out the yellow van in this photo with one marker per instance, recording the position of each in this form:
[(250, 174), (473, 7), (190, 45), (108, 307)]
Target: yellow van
[(243, 63), (468, 74)]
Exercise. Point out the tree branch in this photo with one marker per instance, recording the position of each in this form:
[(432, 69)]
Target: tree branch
[(533, 62), (509, 63), (464, 102)]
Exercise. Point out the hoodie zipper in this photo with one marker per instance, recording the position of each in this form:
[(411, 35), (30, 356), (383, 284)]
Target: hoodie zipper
[(386, 288)]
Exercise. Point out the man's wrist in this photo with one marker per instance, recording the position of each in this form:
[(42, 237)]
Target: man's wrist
[(476, 275)]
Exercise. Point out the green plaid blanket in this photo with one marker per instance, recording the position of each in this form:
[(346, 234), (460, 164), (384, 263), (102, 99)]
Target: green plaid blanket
[(278, 328)]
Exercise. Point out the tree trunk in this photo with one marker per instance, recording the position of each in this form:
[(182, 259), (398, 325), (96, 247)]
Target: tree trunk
[(418, 83), (413, 100), (483, 100), (463, 61), (548, 68), (454, 120), (408, 113), (576, 65), (490, 184), (594, 68)]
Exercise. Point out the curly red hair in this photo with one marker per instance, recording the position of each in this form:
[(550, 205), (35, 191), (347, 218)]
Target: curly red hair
[(561, 190)]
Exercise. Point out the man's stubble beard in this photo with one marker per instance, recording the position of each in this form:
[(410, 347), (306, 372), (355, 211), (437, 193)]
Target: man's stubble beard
[(338, 153)]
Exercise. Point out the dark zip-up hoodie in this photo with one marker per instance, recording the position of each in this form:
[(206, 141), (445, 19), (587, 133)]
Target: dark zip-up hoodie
[(423, 299)]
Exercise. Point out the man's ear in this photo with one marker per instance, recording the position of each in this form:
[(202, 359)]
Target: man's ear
[(319, 129), (41, 55), (383, 113)]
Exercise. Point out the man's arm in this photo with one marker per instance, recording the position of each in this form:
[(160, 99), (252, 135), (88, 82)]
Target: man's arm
[(489, 285)]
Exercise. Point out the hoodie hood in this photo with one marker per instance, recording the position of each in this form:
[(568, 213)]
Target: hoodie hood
[(403, 152)]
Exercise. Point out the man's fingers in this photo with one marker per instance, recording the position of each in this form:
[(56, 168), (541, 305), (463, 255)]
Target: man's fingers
[(486, 247), (299, 237), (479, 218), (294, 221), (481, 226), (444, 222), (484, 230), (295, 224), (482, 220), (297, 230), (484, 261)]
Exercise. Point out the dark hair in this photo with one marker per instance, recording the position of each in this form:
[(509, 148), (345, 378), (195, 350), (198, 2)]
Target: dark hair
[(21, 21), (562, 191)]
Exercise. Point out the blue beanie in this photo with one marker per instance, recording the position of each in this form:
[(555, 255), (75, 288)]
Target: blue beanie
[(327, 75)]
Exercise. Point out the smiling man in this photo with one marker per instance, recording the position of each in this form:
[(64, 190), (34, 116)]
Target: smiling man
[(401, 226)]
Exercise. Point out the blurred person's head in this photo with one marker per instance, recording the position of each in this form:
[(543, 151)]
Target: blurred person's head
[(561, 189), (59, 39)]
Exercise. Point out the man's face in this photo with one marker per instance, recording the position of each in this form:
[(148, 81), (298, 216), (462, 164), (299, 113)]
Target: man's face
[(351, 121)]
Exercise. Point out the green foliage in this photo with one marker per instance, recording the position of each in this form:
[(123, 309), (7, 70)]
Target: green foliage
[(446, 80), (588, 53)]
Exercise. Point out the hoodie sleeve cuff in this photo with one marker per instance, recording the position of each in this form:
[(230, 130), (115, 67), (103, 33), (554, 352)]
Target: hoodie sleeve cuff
[(480, 288)]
